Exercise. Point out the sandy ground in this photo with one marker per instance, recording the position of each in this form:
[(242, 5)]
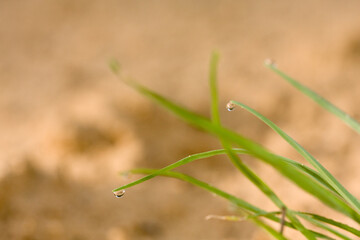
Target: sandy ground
[(68, 126)]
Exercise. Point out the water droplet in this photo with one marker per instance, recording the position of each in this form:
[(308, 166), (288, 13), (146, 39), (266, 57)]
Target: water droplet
[(230, 106), (270, 62), (119, 193)]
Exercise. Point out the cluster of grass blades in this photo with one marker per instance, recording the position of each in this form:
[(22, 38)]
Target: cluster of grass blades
[(317, 181)]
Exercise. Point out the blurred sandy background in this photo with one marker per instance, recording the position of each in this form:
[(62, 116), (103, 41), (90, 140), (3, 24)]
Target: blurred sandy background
[(67, 126)]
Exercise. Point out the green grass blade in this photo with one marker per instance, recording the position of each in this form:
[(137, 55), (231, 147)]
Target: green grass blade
[(268, 228), (254, 212), (318, 99), (268, 192), (325, 174), (298, 225), (323, 226), (249, 208), (287, 169), (334, 223), (215, 117), (315, 175), (179, 163), (213, 89), (257, 181), (208, 154)]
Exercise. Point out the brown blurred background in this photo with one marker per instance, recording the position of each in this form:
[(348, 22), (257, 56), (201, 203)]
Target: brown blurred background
[(67, 126)]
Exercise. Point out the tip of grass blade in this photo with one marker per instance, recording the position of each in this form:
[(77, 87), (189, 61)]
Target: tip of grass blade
[(351, 122), (270, 63), (114, 66)]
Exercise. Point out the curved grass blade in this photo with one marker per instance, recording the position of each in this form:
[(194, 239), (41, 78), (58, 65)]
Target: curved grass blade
[(247, 207), (325, 174), (351, 122), (256, 180), (267, 191), (179, 163), (254, 212), (268, 228), (204, 155), (211, 153), (288, 170), (334, 223), (215, 117), (323, 226)]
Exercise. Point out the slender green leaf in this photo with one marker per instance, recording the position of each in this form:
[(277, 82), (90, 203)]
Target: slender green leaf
[(325, 174), (290, 214), (211, 153), (247, 207), (268, 192), (181, 162), (318, 99), (323, 226), (213, 89), (254, 212), (291, 172), (233, 157), (257, 181), (334, 223), (268, 228), (215, 116)]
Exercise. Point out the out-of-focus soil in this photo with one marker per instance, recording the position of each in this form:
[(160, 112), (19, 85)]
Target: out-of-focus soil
[(68, 127)]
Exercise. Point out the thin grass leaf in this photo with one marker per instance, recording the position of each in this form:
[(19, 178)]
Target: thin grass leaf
[(334, 223), (323, 226), (325, 174), (268, 192), (288, 170), (296, 222), (254, 212), (179, 163), (211, 153), (268, 228), (247, 207), (355, 125), (257, 181), (215, 117)]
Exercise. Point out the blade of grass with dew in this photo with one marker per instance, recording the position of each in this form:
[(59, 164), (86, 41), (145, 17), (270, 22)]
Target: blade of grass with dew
[(248, 173), (288, 170), (326, 175), (333, 223), (355, 125), (215, 117), (211, 153), (323, 226), (247, 207), (179, 163)]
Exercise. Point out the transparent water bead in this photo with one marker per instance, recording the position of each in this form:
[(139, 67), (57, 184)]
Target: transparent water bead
[(270, 62), (230, 106), (119, 193)]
